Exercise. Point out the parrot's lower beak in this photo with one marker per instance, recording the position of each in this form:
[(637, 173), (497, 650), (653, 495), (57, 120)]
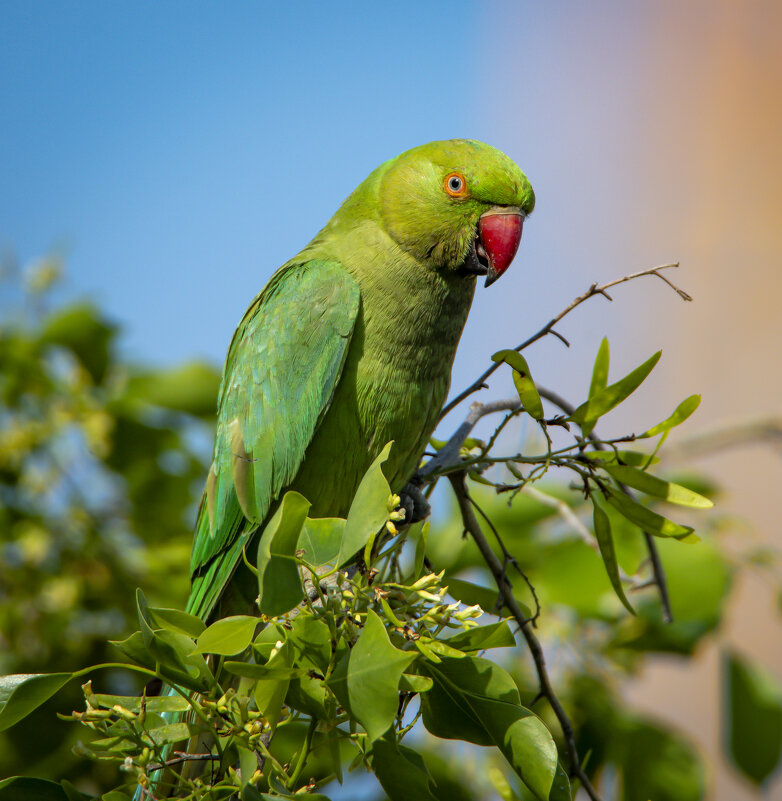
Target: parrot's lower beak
[(499, 235)]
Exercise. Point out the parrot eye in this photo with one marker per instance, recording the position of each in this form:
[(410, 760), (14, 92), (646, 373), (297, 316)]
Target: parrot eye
[(455, 185)]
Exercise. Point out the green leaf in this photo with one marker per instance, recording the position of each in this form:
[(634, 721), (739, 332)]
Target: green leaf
[(522, 380), (644, 518), (311, 639), (479, 638), (320, 540), (411, 683), (474, 699), (401, 772), (262, 672), (135, 649), (601, 403), (606, 544), (278, 572), (753, 718), (657, 487), (633, 458), (227, 637), (22, 693), (24, 788), (680, 414), (176, 620), (155, 703), (600, 370), (471, 594), (367, 680), (369, 510)]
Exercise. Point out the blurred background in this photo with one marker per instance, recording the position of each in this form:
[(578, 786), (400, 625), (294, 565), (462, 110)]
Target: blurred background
[(159, 161)]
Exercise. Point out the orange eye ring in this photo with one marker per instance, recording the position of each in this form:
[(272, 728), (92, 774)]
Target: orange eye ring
[(455, 185)]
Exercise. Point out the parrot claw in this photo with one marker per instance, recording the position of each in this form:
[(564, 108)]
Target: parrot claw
[(414, 503)]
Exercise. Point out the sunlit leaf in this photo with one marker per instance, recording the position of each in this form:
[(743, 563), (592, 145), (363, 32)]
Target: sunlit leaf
[(522, 380), (632, 458), (645, 518), (657, 487), (228, 636), (680, 414), (603, 401), (600, 370)]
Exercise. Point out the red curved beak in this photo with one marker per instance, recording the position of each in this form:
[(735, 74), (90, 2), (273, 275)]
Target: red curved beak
[(500, 234)]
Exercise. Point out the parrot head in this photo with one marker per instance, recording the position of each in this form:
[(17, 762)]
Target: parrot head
[(457, 205)]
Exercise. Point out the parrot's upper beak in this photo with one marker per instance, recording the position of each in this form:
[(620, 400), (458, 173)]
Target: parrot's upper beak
[(499, 235)]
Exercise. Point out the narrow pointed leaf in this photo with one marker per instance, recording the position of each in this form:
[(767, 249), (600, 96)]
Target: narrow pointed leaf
[(600, 370), (632, 458), (603, 401), (680, 414), (645, 518), (606, 544), (657, 487)]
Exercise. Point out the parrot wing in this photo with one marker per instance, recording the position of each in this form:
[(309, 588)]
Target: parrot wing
[(283, 365)]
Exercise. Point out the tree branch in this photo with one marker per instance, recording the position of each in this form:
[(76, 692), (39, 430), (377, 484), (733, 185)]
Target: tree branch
[(548, 328), (448, 455), (471, 525)]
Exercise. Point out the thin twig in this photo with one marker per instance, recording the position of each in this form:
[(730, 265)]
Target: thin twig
[(182, 757), (471, 524), (448, 455), (548, 328), (654, 557)]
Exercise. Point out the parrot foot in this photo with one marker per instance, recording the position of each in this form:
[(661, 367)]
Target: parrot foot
[(414, 502)]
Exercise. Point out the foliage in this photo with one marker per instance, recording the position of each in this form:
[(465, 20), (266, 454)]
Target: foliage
[(377, 662)]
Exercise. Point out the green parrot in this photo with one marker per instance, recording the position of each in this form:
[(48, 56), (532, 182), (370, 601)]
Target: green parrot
[(349, 346)]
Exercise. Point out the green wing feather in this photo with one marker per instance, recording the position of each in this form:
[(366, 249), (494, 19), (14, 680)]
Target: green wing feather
[(282, 367)]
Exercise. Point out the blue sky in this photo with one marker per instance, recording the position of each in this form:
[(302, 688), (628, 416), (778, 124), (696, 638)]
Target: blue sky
[(180, 152)]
